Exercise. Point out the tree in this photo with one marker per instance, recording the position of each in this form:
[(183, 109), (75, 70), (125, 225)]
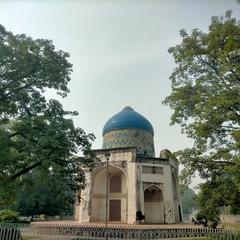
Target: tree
[(206, 102), (48, 193), (215, 194), (36, 132)]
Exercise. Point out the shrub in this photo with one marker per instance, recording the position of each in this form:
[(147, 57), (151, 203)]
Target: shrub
[(8, 215), (201, 219)]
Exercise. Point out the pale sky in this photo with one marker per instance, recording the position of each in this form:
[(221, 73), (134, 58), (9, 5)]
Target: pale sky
[(118, 49)]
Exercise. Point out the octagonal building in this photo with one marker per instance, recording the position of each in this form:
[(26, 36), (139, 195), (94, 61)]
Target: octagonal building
[(129, 178)]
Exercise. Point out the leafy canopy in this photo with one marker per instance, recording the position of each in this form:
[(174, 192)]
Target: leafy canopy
[(205, 98), (36, 132), (47, 193)]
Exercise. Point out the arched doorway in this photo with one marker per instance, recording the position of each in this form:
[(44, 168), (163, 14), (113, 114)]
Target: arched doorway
[(117, 197), (115, 204), (153, 205)]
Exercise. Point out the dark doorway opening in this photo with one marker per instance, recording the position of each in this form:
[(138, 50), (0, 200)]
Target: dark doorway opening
[(114, 210), (180, 213)]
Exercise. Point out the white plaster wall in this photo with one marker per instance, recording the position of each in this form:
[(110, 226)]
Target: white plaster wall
[(99, 183), (176, 203), (121, 156), (131, 206), (124, 210), (153, 178), (175, 195), (117, 156), (156, 178), (177, 199), (98, 207), (168, 196), (154, 212), (98, 210)]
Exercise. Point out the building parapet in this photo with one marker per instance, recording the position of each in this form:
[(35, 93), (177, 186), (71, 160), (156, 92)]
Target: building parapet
[(152, 160)]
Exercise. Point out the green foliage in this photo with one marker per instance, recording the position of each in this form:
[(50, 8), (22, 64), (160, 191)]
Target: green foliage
[(47, 193), (7, 215), (36, 132), (218, 193), (189, 203), (200, 219), (206, 102)]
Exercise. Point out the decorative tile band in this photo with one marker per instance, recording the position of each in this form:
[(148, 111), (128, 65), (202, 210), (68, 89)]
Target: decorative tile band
[(141, 139)]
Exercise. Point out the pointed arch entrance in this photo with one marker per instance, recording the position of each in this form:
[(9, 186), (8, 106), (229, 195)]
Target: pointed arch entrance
[(153, 205), (117, 195)]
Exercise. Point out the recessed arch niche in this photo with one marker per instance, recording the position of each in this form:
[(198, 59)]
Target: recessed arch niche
[(117, 195), (153, 205)]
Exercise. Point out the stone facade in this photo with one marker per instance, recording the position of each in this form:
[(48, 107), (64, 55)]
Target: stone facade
[(147, 184), (130, 178)]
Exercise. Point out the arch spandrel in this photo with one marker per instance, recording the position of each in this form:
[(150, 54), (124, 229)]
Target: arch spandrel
[(153, 185)]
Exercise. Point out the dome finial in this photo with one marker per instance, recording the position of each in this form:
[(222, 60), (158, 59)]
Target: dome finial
[(128, 108)]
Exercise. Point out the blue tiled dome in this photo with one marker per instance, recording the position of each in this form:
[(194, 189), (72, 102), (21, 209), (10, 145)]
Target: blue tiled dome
[(128, 119)]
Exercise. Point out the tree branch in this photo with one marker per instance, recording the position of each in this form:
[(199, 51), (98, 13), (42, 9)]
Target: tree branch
[(16, 133), (25, 170)]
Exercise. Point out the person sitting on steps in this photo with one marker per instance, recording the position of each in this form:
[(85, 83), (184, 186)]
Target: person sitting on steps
[(140, 217)]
